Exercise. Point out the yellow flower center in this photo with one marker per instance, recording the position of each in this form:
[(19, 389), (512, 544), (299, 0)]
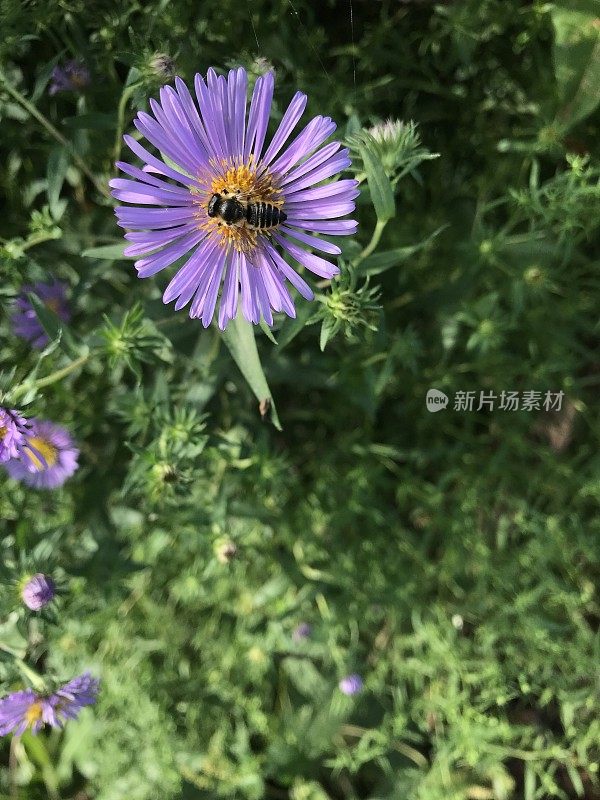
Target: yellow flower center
[(3, 431), (46, 449), (247, 183), (33, 714)]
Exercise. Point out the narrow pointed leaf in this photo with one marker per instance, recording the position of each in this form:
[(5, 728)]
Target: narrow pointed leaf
[(239, 338), (53, 326)]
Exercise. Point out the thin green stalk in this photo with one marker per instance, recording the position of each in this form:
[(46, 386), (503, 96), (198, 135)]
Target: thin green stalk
[(61, 373), (39, 239), (55, 133), (374, 241), (23, 388), (127, 92)]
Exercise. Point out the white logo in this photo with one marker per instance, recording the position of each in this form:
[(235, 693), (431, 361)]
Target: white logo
[(435, 400)]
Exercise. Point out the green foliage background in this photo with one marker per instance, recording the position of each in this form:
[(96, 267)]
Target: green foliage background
[(451, 559)]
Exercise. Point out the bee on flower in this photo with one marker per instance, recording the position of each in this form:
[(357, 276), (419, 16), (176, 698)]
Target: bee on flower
[(229, 204)]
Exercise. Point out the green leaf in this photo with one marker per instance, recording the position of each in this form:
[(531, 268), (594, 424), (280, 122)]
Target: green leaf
[(267, 331), (44, 77), (380, 262), (304, 676), (380, 187), (576, 59), (575, 779), (239, 338), (110, 252), (327, 330), (292, 326), (58, 164), (53, 326), (94, 121)]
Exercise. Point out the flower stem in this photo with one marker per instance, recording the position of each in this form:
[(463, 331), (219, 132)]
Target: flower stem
[(127, 92), (39, 239), (26, 386), (378, 230), (54, 132), (61, 373)]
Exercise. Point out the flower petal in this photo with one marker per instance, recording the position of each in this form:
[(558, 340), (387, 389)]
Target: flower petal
[(331, 167), (341, 227), (316, 264), (135, 192), (313, 136), (311, 163), (158, 261), (152, 161), (258, 118), (208, 117), (237, 91), (181, 101), (284, 268), (293, 113), (144, 177), (349, 188), (248, 288), (229, 296), (153, 218), (317, 244), (188, 276), (147, 241)]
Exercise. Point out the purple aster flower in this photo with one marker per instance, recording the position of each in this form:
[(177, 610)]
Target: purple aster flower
[(47, 458), (73, 76), (29, 709), (239, 203), (302, 631), (12, 431), (351, 684), (24, 319), (38, 591)]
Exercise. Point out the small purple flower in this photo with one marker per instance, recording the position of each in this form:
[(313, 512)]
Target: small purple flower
[(302, 631), (12, 430), (28, 709), (38, 591), (73, 76), (47, 458), (24, 319), (238, 203), (351, 684)]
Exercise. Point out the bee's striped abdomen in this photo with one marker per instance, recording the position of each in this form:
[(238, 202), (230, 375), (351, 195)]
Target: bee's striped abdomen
[(264, 215)]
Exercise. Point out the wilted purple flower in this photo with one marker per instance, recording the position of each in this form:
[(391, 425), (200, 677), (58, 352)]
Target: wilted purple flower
[(351, 684), (302, 631), (237, 200), (24, 319), (47, 458), (29, 709), (12, 430), (73, 76), (38, 591)]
